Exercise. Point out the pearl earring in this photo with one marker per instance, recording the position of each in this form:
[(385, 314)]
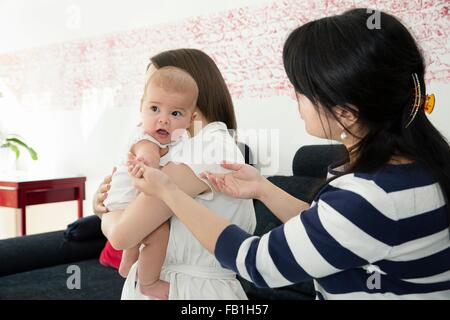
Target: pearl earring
[(343, 135)]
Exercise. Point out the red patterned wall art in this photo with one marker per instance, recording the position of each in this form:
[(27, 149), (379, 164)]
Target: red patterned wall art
[(246, 43)]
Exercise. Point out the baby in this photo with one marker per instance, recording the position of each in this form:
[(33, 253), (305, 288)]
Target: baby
[(167, 110)]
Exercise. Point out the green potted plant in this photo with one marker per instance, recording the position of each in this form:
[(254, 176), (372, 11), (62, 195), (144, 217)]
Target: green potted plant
[(13, 143)]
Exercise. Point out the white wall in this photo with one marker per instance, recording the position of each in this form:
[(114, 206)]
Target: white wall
[(60, 136), (27, 24)]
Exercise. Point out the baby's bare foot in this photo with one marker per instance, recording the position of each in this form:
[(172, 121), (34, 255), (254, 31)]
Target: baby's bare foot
[(158, 290)]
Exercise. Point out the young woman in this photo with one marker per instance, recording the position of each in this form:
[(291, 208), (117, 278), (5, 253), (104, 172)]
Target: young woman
[(379, 229), (190, 270)]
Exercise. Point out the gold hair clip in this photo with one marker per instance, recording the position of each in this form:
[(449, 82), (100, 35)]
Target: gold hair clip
[(429, 103), (426, 103)]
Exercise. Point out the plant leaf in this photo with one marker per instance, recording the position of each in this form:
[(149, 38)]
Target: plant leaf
[(18, 141), (32, 152), (13, 148)]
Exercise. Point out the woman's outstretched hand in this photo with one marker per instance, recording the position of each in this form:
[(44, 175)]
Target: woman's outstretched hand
[(101, 194), (243, 182)]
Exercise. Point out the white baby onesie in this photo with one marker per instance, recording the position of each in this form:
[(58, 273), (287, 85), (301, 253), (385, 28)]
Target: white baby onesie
[(122, 191)]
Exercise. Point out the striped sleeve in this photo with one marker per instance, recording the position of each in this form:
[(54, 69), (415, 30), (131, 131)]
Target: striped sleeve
[(340, 232)]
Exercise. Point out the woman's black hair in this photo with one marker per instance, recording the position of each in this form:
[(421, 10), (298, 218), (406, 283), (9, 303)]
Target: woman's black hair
[(340, 61)]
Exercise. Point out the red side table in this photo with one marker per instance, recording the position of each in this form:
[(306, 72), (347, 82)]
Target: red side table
[(20, 192)]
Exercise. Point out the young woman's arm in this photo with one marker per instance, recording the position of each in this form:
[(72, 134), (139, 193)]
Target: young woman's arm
[(204, 224), (244, 181), (321, 241), (281, 203), (147, 213)]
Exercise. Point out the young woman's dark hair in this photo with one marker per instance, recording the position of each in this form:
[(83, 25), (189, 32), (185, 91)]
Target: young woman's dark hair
[(339, 61), (214, 103)]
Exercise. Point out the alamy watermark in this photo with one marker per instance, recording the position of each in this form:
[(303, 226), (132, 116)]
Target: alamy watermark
[(374, 20), (74, 280), (207, 148), (374, 280)]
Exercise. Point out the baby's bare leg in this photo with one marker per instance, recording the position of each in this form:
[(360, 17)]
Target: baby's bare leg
[(151, 260), (129, 257)]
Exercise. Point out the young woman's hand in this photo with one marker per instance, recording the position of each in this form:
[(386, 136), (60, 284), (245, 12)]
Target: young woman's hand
[(243, 182), (101, 194), (151, 181)]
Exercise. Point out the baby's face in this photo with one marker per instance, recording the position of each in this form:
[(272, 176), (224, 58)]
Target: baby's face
[(164, 112)]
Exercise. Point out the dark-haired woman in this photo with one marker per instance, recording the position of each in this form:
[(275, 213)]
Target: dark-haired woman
[(379, 228)]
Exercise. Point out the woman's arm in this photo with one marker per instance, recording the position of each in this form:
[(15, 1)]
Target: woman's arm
[(146, 213), (226, 241), (322, 241), (246, 182), (204, 224), (281, 203)]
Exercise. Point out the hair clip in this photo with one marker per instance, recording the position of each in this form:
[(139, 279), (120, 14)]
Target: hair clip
[(429, 103), (426, 103), (417, 99)]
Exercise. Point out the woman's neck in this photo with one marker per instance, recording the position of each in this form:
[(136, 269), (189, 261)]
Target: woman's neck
[(352, 152)]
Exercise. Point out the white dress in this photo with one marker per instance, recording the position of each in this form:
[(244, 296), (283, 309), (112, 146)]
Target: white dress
[(194, 273)]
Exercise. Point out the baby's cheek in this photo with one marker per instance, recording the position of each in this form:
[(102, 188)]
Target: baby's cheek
[(181, 124), (148, 123)]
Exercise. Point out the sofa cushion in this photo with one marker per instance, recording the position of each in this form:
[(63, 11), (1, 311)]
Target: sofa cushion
[(42, 250), (85, 228), (96, 283)]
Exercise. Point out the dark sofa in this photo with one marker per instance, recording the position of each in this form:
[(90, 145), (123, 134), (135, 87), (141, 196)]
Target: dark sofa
[(36, 266)]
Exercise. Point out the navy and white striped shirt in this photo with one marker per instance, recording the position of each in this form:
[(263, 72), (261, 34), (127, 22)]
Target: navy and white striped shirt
[(366, 236)]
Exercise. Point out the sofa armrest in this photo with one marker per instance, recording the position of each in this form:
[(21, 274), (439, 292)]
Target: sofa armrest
[(43, 250), (313, 161)]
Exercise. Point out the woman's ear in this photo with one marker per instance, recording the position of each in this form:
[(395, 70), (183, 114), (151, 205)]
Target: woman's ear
[(347, 115)]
